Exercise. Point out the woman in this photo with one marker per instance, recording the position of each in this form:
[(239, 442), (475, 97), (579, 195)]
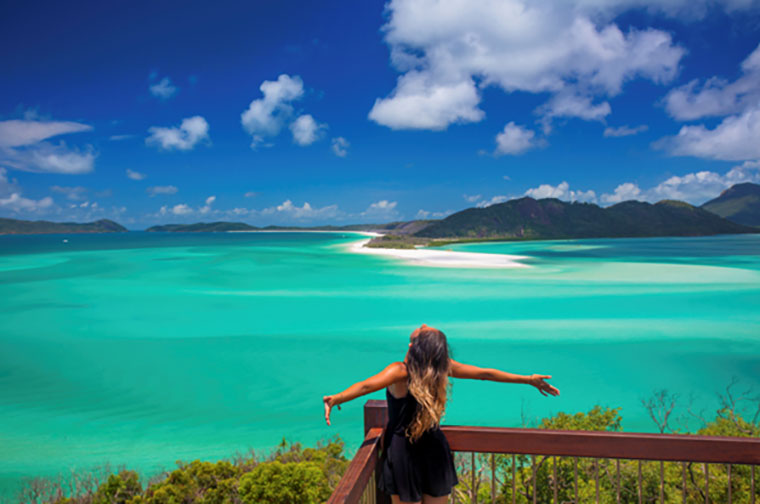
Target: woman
[(416, 465)]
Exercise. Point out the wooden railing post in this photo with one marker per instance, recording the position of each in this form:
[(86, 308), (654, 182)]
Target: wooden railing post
[(376, 415)]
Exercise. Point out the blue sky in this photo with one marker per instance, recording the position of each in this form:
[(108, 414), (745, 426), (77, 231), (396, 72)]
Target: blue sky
[(341, 112)]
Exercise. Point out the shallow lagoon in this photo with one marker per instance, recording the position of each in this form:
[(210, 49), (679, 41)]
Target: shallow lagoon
[(142, 349)]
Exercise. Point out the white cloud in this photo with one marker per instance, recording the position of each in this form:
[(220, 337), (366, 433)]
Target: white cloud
[(624, 130), (569, 103), (22, 146), (207, 207), (251, 194), (16, 203), (495, 200), (421, 101), (76, 193), (155, 190), (382, 209), (717, 96), (340, 146), (181, 209), (164, 89), (516, 140), (45, 157), (471, 198), (266, 116), (305, 212), (135, 175), (623, 192), (449, 50), (695, 188), (425, 214), (736, 138), (20, 133), (561, 191), (306, 130), (186, 136)]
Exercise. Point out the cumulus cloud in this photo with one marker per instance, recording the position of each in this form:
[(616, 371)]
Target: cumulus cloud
[(382, 209), (266, 116), (516, 140), (736, 138), (18, 204), (135, 175), (7, 186), (207, 207), (624, 131), (717, 96), (471, 198), (561, 191), (76, 193), (22, 147), (180, 209), (156, 190), (340, 146), (186, 136), (45, 157), (164, 89), (306, 130), (695, 188), (448, 51), (623, 192), (305, 212)]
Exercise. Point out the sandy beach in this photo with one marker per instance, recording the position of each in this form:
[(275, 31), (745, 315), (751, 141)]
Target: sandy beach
[(442, 258)]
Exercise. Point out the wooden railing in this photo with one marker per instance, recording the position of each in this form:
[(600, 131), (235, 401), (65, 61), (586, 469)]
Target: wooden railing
[(359, 482)]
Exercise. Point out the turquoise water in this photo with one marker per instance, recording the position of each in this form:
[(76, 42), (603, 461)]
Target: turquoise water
[(143, 349)]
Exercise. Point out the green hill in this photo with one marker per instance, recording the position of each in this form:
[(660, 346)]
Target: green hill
[(739, 203), (527, 218), (15, 226), (202, 227)]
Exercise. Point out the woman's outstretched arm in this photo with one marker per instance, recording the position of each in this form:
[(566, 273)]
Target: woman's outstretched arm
[(459, 370), (396, 371)]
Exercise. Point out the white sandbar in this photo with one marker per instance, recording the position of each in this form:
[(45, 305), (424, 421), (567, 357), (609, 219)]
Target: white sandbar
[(443, 258)]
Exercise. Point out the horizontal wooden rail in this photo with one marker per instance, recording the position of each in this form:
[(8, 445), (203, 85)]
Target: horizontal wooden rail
[(624, 445), (359, 471)]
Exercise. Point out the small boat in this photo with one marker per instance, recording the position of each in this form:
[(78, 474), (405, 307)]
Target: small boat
[(65, 240)]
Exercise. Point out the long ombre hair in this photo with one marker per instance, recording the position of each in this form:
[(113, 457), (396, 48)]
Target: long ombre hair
[(428, 364)]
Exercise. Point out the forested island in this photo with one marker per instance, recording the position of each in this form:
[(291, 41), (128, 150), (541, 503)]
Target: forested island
[(15, 226)]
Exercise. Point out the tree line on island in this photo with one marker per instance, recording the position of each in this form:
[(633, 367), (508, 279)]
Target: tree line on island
[(293, 474), (735, 211)]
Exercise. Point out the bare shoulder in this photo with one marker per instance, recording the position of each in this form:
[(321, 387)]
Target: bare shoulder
[(397, 370)]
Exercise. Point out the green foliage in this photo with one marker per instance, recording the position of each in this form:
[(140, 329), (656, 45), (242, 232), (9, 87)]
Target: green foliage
[(289, 483), (597, 419), (120, 488)]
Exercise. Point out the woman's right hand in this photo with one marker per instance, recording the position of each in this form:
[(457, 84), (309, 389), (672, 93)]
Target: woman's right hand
[(546, 389), (329, 401)]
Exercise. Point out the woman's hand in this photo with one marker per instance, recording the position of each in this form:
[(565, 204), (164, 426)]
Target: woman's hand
[(543, 387), (329, 401)]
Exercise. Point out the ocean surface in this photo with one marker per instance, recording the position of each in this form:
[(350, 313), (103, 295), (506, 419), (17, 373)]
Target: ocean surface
[(142, 349)]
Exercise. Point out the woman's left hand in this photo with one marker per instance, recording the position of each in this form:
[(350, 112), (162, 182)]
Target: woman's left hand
[(543, 387), (329, 403)]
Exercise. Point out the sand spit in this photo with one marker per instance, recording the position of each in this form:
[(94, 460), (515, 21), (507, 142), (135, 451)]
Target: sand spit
[(443, 258)]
